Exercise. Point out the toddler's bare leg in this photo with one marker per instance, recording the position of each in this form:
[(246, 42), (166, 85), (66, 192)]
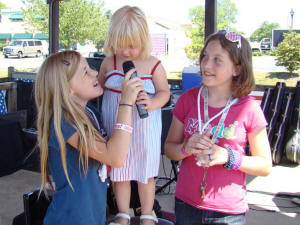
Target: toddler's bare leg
[(122, 194), (147, 195)]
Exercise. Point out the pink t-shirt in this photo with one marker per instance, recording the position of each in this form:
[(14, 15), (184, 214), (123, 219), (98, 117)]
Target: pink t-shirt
[(225, 191)]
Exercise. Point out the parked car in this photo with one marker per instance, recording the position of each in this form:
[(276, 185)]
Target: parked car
[(21, 48), (266, 44), (255, 46), (96, 55)]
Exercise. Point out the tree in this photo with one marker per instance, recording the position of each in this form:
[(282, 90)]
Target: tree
[(264, 31), (288, 52), (226, 13), (79, 21), (2, 6)]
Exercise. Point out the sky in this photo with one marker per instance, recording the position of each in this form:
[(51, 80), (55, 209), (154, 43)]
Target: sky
[(252, 13)]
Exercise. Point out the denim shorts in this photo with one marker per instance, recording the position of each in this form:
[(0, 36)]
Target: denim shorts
[(186, 214)]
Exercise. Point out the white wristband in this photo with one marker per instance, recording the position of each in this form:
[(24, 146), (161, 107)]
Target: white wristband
[(124, 127)]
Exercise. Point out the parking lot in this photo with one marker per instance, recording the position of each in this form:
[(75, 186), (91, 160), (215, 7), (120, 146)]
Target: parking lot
[(27, 62)]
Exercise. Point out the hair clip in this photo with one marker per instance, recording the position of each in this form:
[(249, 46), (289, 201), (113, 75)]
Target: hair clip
[(65, 62), (232, 37)]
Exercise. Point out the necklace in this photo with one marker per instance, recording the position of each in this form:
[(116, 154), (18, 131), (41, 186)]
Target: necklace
[(201, 129)]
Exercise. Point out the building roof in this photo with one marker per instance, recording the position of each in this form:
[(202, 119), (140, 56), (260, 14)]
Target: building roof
[(17, 16), (5, 36), (41, 36), (23, 36)]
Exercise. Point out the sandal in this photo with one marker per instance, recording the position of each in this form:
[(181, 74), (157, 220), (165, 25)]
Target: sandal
[(149, 217), (121, 215)]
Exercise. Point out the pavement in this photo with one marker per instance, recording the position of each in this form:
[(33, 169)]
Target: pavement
[(269, 198)]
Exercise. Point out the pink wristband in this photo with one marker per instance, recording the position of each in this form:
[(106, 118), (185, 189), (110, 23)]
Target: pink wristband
[(121, 126), (184, 152)]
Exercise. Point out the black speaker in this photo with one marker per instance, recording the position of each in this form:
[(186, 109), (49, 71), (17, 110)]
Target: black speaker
[(166, 117), (95, 63)]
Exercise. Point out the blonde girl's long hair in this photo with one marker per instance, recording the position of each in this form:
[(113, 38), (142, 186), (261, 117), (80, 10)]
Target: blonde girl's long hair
[(128, 27), (52, 97)]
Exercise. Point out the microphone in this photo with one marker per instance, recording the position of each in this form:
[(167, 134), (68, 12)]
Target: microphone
[(128, 65)]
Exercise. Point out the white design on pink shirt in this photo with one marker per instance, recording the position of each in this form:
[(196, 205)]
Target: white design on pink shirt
[(192, 126), (225, 132)]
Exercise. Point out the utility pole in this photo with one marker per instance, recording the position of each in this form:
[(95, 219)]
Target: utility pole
[(292, 17)]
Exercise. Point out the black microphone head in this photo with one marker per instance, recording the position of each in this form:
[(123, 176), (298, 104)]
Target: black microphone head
[(128, 65)]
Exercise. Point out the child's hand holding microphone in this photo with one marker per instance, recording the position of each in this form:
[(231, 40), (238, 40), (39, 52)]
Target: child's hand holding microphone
[(130, 88)]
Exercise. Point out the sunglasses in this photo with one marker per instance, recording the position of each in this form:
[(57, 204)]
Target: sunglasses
[(232, 37)]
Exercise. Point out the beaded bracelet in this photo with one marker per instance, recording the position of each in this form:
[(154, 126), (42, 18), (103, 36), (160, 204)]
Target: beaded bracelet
[(229, 164), (124, 127), (234, 160), (123, 104), (238, 160)]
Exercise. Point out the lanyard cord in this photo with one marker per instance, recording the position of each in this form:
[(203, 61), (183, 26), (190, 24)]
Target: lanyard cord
[(224, 113), (225, 110)]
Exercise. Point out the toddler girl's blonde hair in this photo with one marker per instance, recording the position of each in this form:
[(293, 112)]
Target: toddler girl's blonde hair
[(53, 101), (128, 28)]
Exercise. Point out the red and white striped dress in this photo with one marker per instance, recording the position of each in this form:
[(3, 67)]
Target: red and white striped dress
[(144, 154)]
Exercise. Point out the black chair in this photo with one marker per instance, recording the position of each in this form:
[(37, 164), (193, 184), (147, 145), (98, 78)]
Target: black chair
[(35, 208), (11, 142)]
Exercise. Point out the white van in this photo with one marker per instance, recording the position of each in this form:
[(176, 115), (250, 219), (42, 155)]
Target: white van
[(21, 48)]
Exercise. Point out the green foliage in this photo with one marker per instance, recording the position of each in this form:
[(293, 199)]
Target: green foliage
[(288, 52), (257, 53), (80, 20), (264, 31), (2, 45), (2, 6), (272, 52), (225, 17)]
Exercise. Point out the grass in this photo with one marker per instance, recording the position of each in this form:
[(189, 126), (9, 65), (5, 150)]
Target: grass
[(177, 75), (274, 77), (3, 72), (261, 78)]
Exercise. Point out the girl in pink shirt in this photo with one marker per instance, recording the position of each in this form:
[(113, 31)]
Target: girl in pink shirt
[(209, 131)]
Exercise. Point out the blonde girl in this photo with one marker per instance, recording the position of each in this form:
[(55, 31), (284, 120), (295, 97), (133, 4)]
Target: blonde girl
[(74, 149), (128, 39)]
